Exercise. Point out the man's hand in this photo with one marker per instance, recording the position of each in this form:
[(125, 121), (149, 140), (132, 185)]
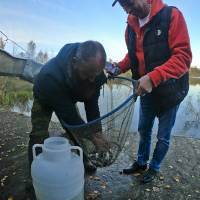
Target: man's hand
[(112, 69), (144, 85), (101, 144)]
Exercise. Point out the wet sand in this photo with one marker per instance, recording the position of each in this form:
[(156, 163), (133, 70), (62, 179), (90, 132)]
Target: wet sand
[(179, 178)]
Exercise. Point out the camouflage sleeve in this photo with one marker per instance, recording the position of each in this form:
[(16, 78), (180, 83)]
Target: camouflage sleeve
[(92, 111)]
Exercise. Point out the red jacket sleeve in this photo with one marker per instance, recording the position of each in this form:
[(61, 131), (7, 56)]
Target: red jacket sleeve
[(181, 55), (124, 65)]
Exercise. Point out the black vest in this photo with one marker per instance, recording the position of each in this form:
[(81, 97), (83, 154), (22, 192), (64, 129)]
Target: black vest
[(156, 53)]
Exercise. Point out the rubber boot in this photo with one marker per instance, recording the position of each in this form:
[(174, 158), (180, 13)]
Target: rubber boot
[(33, 140), (29, 186)]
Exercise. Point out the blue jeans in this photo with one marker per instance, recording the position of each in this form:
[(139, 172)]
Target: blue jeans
[(148, 113)]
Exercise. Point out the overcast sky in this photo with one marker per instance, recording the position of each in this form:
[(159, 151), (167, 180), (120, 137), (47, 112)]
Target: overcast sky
[(51, 24)]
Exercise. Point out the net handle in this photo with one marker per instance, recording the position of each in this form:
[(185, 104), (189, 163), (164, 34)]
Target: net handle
[(134, 82)]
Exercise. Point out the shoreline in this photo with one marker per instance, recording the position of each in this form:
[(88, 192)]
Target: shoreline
[(179, 177)]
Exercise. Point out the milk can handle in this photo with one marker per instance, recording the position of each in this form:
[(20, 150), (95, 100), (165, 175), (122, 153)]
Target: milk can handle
[(79, 149), (34, 149)]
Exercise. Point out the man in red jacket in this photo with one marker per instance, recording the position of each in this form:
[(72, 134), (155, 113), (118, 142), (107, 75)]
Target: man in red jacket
[(159, 57)]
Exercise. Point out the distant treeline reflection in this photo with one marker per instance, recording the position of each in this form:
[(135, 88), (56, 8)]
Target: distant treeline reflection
[(13, 90), (194, 80)]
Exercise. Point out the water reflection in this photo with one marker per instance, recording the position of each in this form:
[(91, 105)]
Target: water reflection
[(188, 116), (23, 108), (195, 81)]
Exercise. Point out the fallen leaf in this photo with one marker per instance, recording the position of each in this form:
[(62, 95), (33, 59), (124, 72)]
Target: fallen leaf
[(137, 174), (96, 178), (103, 186), (156, 189), (176, 179), (161, 178), (92, 195), (167, 186), (4, 178)]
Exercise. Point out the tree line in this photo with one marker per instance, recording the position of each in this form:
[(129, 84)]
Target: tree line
[(41, 57), (194, 72)]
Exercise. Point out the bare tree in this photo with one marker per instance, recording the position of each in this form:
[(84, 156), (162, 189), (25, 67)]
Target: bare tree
[(31, 47), (46, 57), (42, 57), (39, 57)]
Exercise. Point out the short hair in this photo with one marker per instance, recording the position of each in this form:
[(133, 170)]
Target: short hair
[(90, 49)]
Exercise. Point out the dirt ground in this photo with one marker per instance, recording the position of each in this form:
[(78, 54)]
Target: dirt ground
[(179, 178)]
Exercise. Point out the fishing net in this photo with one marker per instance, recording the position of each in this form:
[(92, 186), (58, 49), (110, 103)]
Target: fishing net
[(116, 104)]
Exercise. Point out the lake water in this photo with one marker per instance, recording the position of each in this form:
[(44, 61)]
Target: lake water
[(188, 116)]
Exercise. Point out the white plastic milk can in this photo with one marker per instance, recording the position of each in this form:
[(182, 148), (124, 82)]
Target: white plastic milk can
[(58, 173)]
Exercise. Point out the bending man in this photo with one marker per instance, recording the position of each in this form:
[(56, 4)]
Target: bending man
[(75, 74)]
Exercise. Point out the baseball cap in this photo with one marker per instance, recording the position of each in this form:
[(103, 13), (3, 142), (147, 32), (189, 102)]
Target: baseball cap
[(120, 1), (114, 3), (149, 1)]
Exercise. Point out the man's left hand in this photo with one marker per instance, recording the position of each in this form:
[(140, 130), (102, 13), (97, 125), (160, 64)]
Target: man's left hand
[(144, 85), (101, 143)]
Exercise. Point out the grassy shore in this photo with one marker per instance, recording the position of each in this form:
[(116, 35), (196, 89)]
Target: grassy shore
[(14, 91)]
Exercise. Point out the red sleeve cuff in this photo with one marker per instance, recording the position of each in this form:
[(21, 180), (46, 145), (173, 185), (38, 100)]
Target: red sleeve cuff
[(155, 77), (122, 67)]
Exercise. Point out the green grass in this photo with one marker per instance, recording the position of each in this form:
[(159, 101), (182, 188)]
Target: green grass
[(14, 91)]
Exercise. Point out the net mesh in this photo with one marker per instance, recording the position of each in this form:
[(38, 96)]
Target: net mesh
[(116, 104)]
